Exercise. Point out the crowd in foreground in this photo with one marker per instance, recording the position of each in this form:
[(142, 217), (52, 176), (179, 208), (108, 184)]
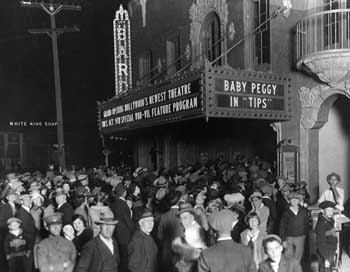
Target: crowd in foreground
[(219, 216)]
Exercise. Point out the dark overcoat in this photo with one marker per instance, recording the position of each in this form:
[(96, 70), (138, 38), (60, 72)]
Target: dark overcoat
[(96, 257), (142, 252), (287, 264), (68, 213), (226, 256), (125, 227)]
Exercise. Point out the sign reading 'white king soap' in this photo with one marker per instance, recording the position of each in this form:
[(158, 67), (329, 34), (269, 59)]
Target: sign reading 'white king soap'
[(122, 51)]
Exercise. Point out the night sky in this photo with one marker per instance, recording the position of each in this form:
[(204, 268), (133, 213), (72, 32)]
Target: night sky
[(86, 60)]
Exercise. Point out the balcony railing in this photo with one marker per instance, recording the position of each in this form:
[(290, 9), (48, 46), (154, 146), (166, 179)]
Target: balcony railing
[(323, 32)]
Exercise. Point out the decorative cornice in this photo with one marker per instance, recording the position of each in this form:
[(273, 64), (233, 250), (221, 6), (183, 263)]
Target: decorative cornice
[(313, 115)]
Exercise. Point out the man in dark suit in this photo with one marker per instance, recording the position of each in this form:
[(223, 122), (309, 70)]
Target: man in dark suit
[(142, 249), (276, 260), (100, 254), (169, 228), (226, 255), (28, 224), (64, 207), (125, 228)]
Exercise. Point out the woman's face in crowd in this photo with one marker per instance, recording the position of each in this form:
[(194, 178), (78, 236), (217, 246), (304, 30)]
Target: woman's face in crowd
[(200, 199), (256, 201), (78, 225), (253, 223), (66, 187)]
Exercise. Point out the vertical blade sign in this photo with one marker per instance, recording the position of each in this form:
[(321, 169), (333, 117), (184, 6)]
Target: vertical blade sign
[(122, 51)]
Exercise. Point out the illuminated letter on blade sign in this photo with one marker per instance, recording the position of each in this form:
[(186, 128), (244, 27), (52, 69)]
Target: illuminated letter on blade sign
[(122, 51)]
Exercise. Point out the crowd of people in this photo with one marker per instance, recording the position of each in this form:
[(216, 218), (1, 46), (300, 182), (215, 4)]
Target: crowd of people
[(219, 216)]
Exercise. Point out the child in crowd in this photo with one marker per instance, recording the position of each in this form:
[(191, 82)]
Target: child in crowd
[(17, 247), (326, 235)]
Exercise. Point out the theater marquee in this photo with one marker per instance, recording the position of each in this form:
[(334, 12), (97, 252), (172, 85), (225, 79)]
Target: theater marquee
[(179, 100), (215, 92), (245, 94)]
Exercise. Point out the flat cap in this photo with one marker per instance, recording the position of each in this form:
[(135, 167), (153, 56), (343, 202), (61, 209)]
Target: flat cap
[(327, 204), (295, 195), (221, 221), (14, 219)]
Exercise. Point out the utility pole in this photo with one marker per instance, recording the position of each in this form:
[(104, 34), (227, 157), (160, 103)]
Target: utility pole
[(52, 9)]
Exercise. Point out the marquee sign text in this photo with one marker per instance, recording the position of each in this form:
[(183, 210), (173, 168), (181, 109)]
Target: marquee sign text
[(242, 94), (153, 105)]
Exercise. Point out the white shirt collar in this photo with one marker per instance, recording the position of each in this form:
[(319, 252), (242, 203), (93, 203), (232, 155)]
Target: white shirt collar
[(59, 206), (26, 208), (224, 239), (108, 243)]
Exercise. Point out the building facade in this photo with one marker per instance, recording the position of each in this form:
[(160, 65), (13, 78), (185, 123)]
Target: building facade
[(215, 78)]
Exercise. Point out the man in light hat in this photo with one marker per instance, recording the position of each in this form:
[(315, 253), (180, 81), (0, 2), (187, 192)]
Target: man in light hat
[(55, 253), (142, 250), (226, 255), (294, 227), (101, 254), (126, 227), (333, 193), (276, 260)]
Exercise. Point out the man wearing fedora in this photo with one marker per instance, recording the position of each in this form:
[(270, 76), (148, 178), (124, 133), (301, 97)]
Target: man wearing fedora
[(28, 223), (64, 207), (226, 255), (125, 228), (142, 250), (100, 254), (55, 253)]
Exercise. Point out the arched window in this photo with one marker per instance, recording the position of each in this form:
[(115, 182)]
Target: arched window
[(211, 35)]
